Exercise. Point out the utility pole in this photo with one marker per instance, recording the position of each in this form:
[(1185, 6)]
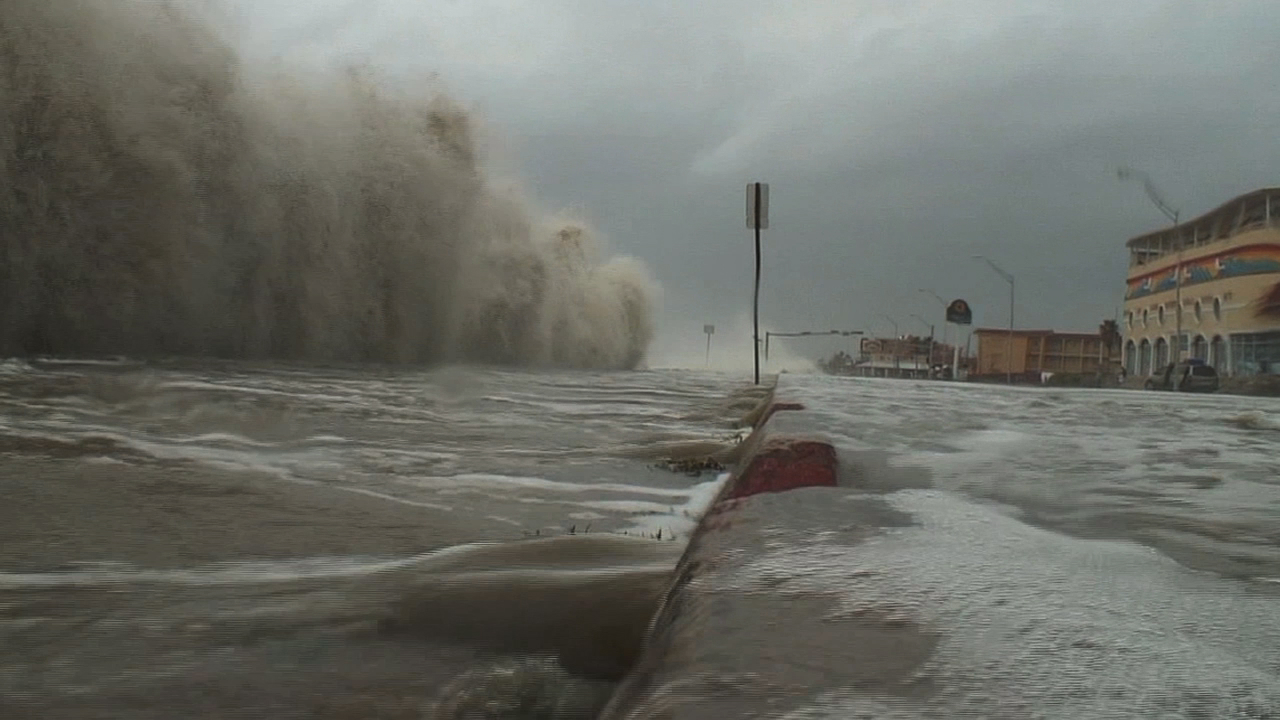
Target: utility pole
[(757, 219), (1153, 194), (1009, 279), (709, 330)]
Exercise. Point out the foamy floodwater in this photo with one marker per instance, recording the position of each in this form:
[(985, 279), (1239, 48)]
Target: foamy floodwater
[(1078, 554), (250, 526), (538, 452)]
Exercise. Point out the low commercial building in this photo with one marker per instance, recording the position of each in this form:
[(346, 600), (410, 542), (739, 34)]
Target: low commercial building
[(1225, 265), (1029, 353), (907, 357)]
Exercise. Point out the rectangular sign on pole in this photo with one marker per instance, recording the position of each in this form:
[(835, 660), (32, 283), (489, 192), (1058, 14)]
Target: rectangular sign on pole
[(758, 215), (709, 329)]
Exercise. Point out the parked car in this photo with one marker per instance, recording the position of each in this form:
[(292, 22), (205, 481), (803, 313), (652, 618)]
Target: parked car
[(1186, 376)]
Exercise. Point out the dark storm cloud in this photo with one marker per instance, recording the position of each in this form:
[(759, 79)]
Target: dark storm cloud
[(900, 137)]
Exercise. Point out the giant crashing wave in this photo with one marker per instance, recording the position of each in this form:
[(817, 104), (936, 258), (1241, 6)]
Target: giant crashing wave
[(162, 198)]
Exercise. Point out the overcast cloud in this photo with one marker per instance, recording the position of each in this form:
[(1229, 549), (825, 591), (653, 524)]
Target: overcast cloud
[(899, 137)]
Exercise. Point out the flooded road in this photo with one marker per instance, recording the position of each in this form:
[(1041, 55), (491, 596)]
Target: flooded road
[(210, 540), (226, 540)]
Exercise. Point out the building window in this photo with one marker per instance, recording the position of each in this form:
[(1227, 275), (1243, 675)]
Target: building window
[(1160, 315), (1255, 213), (1198, 311), (1145, 312), (1199, 348), (1130, 358), (1218, 354), (1144, 357), (1162, 353), (1255, 354), (1217, 309), (1128, 319)]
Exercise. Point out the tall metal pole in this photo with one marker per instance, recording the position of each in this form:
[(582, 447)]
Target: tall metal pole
[(1177, 287), (943, 303), (1157, 199), (755, 310), (894, 323), (708, 349), (1009, 279), (1009, 373), (926, 323)]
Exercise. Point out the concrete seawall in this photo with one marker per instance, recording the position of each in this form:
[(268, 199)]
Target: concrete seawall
[(718, 649), (877, 553)]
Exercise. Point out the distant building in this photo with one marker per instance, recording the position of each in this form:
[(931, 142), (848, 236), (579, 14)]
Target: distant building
[(1230, 268), (907, 357), (1038, 351)]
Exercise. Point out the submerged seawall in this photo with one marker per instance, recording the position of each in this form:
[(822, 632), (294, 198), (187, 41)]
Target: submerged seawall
[(713, 652), (877, 552)]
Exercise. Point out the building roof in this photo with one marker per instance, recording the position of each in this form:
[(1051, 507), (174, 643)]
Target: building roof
[(1261, 192)]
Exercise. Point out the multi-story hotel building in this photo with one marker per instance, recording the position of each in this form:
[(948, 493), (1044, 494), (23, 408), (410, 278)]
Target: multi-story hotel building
[(1229, 263)]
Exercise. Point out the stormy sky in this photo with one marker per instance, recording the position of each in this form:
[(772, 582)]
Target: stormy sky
[(900, 137)]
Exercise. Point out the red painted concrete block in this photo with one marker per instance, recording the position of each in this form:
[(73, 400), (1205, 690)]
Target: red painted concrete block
[(783, 465)]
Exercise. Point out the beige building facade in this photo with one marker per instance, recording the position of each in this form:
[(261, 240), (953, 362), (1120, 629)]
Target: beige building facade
[(1038, 351), (1226, 266)]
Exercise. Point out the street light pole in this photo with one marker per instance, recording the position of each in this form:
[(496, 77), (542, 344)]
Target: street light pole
[(1157, 199), (1009, 279), (944, 305), (929, 360), (894, 323)]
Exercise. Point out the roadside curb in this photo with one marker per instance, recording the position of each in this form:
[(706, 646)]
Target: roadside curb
[(771, 462)]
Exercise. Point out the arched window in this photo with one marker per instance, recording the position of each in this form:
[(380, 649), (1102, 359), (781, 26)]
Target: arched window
[(1217, 309), (1130, 358), (1144, 357), (1145, 312), (1198, 311), (1218, 354), (1160, 314), (1162, 353), (1200, 348)]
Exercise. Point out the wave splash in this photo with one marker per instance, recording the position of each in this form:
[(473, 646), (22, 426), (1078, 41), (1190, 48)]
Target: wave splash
[(162, 198)]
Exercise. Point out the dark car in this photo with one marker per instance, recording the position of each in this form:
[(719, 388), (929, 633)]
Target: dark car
[(1186, 376)]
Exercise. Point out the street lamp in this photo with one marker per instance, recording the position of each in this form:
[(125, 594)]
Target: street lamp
[(1153, 194), (929, 325), (1009, 279), (894, 323), (944, 305)]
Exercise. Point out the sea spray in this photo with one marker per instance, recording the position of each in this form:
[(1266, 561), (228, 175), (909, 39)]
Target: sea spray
[(163, 197)]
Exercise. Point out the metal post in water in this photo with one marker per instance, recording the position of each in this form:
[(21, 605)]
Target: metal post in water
[(757, 219), (755, 304)]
